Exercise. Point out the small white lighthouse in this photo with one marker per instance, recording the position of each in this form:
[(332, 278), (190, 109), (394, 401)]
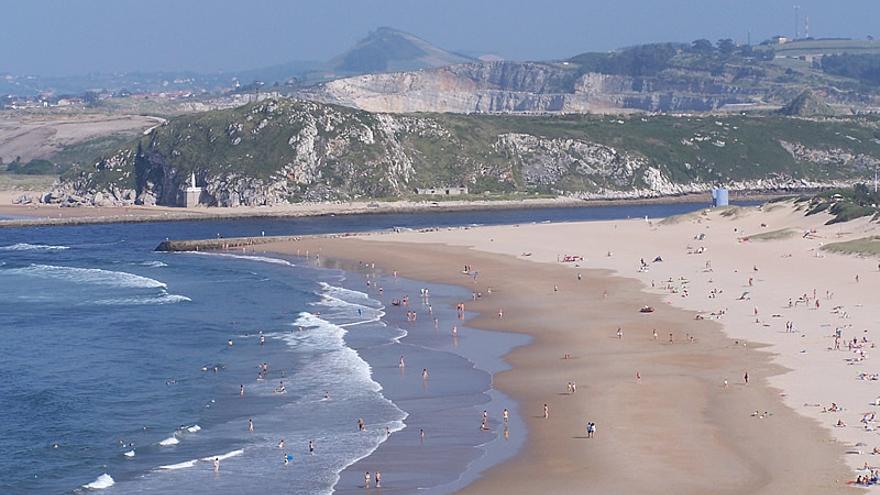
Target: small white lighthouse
[(193, 195)]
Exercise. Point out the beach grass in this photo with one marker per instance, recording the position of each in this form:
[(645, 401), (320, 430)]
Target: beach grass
[(20, 182), (866, 246), (773, 235)]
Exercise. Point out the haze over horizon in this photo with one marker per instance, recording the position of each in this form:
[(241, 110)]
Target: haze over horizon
[(54, 38)]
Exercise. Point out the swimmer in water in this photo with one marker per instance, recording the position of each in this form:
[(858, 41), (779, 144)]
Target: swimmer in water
[(250, 425), (229, 342), (241, 391), (216, 464), (281, 444), (311, 447), (326, 395)]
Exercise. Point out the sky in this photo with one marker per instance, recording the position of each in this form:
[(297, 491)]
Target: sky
[(65, 37)]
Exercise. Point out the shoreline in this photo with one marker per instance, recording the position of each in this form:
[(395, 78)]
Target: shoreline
[(37, 215), (446, 407), (743, 456)]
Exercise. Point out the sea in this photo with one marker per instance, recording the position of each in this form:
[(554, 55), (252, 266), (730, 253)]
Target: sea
[(126, 370)]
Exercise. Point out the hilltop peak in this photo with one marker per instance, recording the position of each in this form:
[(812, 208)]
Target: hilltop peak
[(387, 49)]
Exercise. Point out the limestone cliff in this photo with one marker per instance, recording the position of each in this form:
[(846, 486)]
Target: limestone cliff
[(280, 151)]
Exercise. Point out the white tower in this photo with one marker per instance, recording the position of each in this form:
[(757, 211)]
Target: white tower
[(193, 195)]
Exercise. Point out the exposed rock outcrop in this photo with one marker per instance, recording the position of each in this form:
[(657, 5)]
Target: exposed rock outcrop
[(281, 151)]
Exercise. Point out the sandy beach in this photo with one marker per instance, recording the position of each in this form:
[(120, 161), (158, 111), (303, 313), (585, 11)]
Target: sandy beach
[(673, 413)]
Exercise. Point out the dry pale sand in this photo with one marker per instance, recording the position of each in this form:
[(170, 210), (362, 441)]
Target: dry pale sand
[(678, 429)]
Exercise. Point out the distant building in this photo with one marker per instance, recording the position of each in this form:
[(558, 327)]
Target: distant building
[(442, 191), (780, 40)]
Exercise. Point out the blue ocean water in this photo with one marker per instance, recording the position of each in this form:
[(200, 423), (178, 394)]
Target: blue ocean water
[(116, 372)]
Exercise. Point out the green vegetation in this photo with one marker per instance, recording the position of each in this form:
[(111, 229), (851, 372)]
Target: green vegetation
[(333, 152), (651, 59), (33, 167), (846, 204), (15, 182), (773, 235), (866, 246), (865, 68)]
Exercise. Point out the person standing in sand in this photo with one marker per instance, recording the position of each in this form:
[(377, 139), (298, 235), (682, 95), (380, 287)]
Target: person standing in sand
[(546, 411), (746, 377)]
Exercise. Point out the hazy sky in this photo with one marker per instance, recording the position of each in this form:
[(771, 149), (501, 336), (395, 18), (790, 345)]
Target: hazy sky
[(55, 37)]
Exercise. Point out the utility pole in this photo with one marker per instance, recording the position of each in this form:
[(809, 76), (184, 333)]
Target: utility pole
[(796, 25)]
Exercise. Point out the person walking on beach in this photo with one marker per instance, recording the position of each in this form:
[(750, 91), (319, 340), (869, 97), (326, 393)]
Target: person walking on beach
[(506, 416), (378, 479), (424, 373), (619, 333), (421, 436), (367, 479), (746, 377), (216, 464), (546, 411)]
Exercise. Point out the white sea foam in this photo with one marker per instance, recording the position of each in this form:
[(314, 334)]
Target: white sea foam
[(130, 453), (223, 457), (153, 264), (264, 259), (169, 441), (343, 292), (164, 298), (179, 465), (194, 428), (95, 276), (23, 246), (102, 482)]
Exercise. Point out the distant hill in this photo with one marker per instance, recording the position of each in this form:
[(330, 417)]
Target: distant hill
[(285, 150), (662, 77), (390, 50)]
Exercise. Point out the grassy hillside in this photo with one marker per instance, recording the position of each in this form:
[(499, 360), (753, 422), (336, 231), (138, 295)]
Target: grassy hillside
[(306, 151)]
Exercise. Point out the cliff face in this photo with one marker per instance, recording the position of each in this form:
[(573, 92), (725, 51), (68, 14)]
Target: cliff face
[(505, 87), (281, 151)]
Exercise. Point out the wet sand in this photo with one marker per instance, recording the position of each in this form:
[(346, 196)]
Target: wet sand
[(677, 429)]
